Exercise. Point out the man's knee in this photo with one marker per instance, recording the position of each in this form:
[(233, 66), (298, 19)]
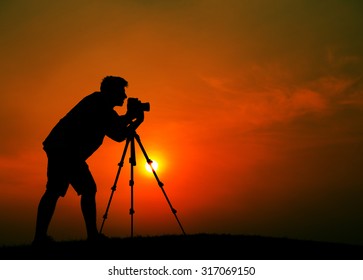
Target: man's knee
[(88, 192), (50, 194)]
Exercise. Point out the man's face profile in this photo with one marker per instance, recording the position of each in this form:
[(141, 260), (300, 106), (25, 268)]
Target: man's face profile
[(120, 96)]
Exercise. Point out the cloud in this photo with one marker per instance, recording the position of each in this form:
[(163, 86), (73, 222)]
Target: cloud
[(267, 102)]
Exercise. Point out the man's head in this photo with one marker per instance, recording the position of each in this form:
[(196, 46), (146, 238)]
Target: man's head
[(115, 88)]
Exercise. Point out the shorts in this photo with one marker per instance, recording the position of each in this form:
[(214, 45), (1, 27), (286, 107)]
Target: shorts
[(64, 169)]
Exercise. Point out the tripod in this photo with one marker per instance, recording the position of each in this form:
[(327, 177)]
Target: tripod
[(131, 141)]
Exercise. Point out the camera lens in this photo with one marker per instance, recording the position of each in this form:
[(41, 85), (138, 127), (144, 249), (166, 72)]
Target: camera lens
[(145, 106)]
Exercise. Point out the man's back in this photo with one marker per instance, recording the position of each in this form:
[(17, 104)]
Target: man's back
[(82, 130)]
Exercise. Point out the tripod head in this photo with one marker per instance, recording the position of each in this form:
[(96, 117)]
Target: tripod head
[(131, 128)]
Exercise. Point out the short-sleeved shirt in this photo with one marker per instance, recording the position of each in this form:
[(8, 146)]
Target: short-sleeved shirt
[(81, 132)]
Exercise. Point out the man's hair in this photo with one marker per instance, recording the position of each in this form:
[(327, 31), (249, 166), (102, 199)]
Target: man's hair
[(113, 83)]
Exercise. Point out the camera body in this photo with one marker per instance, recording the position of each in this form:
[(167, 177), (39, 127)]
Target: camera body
[(134, 105)]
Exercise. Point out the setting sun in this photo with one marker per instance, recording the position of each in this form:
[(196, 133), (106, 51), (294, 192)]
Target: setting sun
[(154, 165)]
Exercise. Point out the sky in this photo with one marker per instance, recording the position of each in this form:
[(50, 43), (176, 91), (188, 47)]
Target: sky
[(255, 120)]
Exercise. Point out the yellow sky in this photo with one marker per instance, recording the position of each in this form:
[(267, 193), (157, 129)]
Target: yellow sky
[(256, 112)]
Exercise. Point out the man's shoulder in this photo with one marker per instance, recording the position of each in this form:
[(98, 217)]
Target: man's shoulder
[(95, 94), (97, 102), (96, 98)]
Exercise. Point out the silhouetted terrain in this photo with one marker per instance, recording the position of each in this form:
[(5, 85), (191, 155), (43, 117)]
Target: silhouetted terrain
[(190, 247)]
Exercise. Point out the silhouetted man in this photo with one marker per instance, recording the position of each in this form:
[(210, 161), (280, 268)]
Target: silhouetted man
[(72, 141)]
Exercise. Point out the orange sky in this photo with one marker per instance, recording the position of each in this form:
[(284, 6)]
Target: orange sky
[(256, 113)]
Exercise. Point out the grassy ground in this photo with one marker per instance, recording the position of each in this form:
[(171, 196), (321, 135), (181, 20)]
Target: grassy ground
[(189, 247)]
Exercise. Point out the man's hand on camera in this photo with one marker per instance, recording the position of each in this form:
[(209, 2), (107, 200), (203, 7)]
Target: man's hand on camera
[(135, 118), (135, 114)]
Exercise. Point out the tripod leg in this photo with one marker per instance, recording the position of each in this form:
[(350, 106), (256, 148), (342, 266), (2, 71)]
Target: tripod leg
[(120, 165), (131, 183), (161, 185)]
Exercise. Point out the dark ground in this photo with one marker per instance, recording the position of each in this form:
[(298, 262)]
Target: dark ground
[(189, 247)]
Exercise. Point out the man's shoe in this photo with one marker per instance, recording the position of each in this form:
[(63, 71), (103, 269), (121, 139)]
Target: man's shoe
[(43, 241)]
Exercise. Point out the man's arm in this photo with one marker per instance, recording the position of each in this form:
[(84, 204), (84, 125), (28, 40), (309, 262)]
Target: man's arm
[(122, 126)]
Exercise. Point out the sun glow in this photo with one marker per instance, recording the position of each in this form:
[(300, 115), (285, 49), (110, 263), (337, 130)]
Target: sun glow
[(154, 165)]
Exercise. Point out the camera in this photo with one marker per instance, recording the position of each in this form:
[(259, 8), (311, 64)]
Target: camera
[(134, 105)]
